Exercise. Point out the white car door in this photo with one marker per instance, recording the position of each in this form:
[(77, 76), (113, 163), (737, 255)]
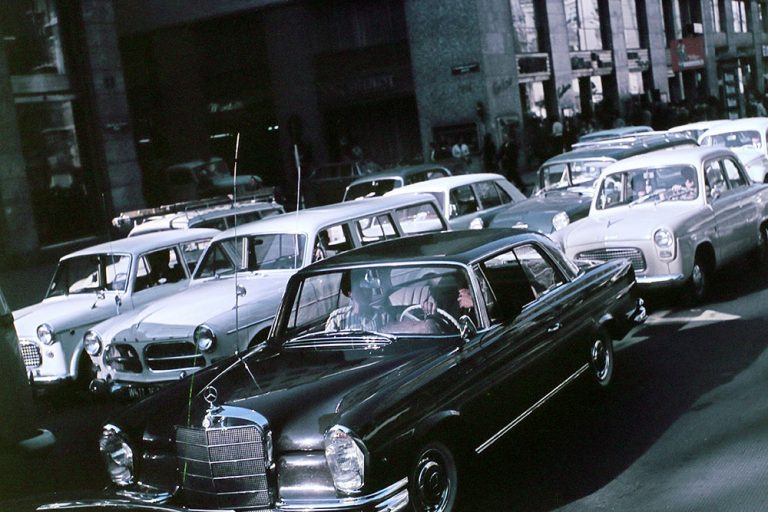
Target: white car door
[(726, 207)]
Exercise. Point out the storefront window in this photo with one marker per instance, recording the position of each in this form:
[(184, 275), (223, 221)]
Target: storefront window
[(30, 30), (583, 25), (739, 15), (635, 82), (58, 184), (631, 29), (524, 22)]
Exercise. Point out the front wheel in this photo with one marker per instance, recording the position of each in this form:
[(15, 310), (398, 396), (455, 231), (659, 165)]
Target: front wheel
[(433, 482), (601, 359), (698, 284)]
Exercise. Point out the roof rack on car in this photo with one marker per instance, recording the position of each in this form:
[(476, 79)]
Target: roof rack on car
[(635, 138), (127, 220)]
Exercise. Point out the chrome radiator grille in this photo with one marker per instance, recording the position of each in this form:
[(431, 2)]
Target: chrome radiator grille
[(30, 353), (223, 467), (175, 355), (633, 254)]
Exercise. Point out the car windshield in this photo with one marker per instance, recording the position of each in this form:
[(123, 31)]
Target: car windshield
[(669, 183), (91, 273), (384, 300), (371, 188), (252, 253), (740, 139), (582, 172)]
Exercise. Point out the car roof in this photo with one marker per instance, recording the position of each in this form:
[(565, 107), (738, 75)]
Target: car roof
[(232, 209), (698, 125), (693, 156), (446, 183), (620, 149), (147, 242), (735, 125), (462, 246), (614, 132), (313, 219), (398, 172)]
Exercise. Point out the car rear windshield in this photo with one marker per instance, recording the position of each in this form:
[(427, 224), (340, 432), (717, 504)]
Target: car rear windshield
[(371, 188), (741, 139)]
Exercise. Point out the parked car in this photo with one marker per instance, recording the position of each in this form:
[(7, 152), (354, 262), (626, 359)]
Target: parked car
[(469, 200), (327, 183), (743, 136), (17, 430), (359, 419), (199, 179), (677, 215), (379, 183), (220, 217), (93, 284), (236, 290), (565, 183)]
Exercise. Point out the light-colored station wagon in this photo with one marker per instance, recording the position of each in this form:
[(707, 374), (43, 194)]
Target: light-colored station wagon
[(237, 287)]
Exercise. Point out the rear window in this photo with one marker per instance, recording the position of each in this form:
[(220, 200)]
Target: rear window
[(421, 218), (372, 188)]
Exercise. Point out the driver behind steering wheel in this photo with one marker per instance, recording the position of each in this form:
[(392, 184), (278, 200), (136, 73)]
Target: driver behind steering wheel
[(450, 294)]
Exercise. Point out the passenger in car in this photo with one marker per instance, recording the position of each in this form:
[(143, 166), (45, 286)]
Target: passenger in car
[(359, 314)]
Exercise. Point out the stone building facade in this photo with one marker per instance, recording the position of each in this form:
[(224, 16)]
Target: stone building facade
[(98, 96)]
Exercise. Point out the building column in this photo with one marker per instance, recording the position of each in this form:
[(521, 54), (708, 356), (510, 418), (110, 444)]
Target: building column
[(616, 87), (474, 62), (294, 91), (560, 55), (18, 235), (657, 51), (111, 131), (710, 57)]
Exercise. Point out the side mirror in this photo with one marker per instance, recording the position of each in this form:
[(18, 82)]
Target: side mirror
[(714, 194), (240, 290), (467, 328)]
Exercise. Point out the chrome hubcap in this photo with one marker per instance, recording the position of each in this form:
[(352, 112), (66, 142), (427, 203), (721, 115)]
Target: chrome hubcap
[(697, 277), (601, 360), (432, 482)]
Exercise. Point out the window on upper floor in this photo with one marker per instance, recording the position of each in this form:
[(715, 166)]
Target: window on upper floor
[(582, 18), (525, 18), (739, 8), (631, 24)]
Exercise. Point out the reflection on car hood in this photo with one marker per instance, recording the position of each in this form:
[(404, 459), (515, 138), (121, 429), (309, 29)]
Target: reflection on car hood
[(537, 212), (634, 223), (202, 302), (64, 312), (301, 392)]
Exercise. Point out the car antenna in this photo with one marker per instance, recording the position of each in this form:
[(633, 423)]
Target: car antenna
[(298, 201)]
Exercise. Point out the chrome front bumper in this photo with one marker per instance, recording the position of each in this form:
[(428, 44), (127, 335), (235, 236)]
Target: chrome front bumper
[(393, 498), (661, 281)]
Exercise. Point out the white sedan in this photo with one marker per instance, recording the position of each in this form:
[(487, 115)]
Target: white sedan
[(97, 283)]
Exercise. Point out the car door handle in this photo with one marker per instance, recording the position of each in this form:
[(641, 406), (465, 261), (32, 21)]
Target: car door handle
[(554, 327)]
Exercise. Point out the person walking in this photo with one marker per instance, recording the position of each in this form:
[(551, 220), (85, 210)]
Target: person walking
[(509, 154)]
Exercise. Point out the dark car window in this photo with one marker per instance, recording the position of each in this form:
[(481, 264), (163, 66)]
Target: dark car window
[(491, 194), (371, 188), (192, 251), (539, 270), (463, 202), (714, 178), (158, 267)]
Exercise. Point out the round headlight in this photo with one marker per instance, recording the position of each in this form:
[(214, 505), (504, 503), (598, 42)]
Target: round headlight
[(204, 338), (346, 459), (45, 334), (117, 454), (663, 238), (477, 223), (92, 343), (560, 220)]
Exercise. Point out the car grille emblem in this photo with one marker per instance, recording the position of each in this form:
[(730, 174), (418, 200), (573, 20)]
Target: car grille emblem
[(210, 394)]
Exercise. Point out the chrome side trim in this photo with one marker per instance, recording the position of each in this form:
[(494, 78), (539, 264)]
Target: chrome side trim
[(530, 410), (664, 279), (268, 320)]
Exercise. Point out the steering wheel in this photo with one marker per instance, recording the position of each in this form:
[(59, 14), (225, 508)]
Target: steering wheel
[(443, 318)]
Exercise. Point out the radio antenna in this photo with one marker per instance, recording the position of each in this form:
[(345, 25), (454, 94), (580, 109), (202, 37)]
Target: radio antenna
[(243, 254)]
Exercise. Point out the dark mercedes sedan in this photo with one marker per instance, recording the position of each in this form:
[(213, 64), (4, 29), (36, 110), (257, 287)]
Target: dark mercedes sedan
[(383, 374)]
